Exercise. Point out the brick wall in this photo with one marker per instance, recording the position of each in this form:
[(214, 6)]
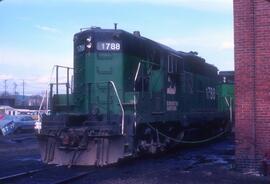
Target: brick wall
[(252, 76)]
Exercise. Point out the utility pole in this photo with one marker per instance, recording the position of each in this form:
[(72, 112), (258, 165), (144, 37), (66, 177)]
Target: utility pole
[(15, 88), (5, 83), (23, 93)]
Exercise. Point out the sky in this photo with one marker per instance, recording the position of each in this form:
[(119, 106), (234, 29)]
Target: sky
[(35, 35)]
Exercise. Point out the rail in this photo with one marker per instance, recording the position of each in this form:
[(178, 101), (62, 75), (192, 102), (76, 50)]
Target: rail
[(57, 84), (229, 104), (134, 96), (18, 175), (35, 177), (72, 178), (55, 70), (121, 105)]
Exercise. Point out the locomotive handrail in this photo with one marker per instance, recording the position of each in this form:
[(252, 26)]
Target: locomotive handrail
[(229, 103), (120, 103), (134, 96)]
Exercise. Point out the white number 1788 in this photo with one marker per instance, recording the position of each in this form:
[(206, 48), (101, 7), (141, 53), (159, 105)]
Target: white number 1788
[(110, 46)]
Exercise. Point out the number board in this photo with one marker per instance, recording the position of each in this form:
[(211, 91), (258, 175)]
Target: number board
[(108, 46)]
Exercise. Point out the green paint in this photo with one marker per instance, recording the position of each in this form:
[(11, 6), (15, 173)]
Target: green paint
[(92, 87), (92, 90), (225, 91)]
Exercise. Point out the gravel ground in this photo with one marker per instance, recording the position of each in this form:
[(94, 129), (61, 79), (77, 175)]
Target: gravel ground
[(204, 164), (18, 153), (18, 143)]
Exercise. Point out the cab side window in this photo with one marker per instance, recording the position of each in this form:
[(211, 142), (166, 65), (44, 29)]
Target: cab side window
[(172, 64)]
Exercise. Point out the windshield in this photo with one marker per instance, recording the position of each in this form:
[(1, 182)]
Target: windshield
[(24, 118), (7, 117)]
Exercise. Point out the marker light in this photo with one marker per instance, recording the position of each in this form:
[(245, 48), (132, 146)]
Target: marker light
[(89, 45), (89, 39)]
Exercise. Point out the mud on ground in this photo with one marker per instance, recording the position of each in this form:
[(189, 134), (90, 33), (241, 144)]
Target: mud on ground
[(205, 164)]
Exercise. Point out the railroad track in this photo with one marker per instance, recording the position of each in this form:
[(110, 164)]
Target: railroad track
[(45, 175), (72, 178), (18, 175)]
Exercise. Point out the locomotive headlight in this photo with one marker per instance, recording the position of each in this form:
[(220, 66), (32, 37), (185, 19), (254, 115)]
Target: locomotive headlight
[(38, 126), (89, 45), (89, 39)]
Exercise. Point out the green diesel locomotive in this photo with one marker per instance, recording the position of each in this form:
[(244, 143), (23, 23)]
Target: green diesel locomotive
[(130, 95)]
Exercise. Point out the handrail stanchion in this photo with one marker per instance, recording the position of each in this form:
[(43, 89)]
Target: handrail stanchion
[(51, 96), (108, 102), (67, 89), (120, 103)]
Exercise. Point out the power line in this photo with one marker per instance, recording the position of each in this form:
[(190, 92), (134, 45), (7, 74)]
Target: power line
[(18, 86)]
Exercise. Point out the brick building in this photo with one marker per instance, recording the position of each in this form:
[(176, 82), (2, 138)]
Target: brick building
[(252, 90)]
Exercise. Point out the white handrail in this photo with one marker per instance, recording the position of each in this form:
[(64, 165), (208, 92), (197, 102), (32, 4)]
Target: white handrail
[(134, 96), (229, 104), (137, 71), (120, 103)]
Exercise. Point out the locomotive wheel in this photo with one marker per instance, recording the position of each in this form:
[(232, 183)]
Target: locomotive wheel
[(153, 147), (148, 144), (178, 137)]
